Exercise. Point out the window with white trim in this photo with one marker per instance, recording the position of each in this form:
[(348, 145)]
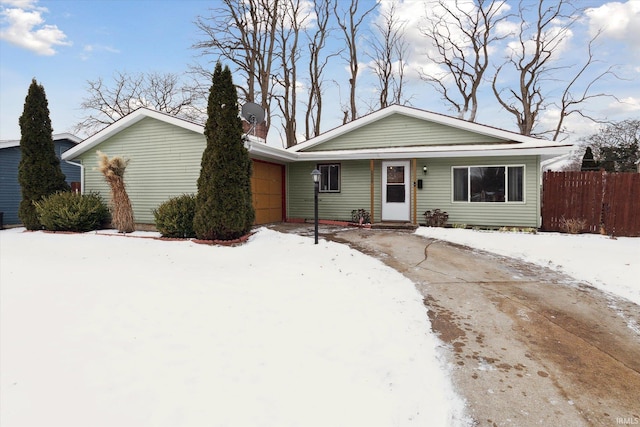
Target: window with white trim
[(488, 184), (329, 178)]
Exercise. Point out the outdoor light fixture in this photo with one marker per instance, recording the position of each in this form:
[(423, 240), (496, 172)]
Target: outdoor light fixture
[(316, 184), (424, 170)]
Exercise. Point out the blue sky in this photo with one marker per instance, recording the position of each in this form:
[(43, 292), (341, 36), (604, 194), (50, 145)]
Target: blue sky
[(82, 40)]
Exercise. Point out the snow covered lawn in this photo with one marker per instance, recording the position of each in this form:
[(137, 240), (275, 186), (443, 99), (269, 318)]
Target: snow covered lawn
[(612, 265), (101, 330)]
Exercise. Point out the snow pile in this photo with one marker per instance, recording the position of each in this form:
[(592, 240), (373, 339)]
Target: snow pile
[(612, 265), (106, 330)]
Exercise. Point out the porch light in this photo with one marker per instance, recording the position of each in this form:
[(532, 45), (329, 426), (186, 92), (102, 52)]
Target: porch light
[(424, 170), (316, 185)]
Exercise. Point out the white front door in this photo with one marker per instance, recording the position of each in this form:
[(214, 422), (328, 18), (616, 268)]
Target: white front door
[(396, 199)]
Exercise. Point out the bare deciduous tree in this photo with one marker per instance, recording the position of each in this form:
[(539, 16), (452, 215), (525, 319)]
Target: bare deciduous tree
[(290, 22), (349, 22), (317, 64), (462, 36), (535, 60), (389, 51), (244, 33), (570, 100), (107, 102)]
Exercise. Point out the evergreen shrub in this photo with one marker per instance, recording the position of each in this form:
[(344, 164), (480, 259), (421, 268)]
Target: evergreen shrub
[(39, 172), (224, 206), (67, 211), (174, 218)]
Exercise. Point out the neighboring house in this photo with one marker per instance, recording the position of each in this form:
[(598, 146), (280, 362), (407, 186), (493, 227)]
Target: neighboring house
[(396, 163), (10, 155)]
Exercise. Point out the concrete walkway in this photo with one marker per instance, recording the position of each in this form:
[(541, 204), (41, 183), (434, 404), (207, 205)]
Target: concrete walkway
[(527, 346)]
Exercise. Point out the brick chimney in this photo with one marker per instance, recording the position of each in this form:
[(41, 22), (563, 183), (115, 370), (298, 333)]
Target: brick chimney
[(259, 131)]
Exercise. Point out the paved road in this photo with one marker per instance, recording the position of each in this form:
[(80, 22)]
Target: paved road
[(527, 346)]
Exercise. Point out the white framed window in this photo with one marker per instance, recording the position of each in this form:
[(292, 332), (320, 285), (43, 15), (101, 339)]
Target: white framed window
[(488, 184), (329, 177)]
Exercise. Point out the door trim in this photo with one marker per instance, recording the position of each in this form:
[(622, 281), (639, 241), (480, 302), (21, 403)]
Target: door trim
[(396, 211)]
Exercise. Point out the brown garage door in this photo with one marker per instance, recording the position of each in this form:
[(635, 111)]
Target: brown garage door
[(267, 190)]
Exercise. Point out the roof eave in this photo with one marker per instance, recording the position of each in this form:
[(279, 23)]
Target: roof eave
[(260, 150), (56, 137), (435, 152)]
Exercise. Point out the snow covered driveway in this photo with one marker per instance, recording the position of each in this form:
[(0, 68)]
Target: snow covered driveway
[(528, 345), (109, 330)]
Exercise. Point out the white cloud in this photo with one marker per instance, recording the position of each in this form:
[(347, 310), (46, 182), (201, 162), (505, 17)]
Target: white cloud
[(626, 105), (27, 29), (22, 4), (89, 49), (618, 21)]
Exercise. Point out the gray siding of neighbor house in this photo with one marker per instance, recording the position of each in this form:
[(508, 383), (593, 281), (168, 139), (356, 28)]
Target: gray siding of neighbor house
[(435, 194), (402, 131), (10, 191), (164, 163)]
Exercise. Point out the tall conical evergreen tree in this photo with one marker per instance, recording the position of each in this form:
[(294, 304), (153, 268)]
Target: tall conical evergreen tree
[(588, 162), (224, 208), (39, 171)]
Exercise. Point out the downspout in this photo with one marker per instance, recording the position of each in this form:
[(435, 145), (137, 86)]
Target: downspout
[(81, 166), (372, 189), (414, 205)]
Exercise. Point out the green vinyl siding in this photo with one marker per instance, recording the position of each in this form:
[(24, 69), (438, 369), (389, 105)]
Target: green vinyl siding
[(164, 162), (402, 131), (354, 191), (436, 193)]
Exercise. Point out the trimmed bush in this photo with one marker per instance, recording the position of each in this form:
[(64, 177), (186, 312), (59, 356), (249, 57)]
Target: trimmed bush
[(360, 216), (67, 211), (436, 218), (573, 225), (174, 218)]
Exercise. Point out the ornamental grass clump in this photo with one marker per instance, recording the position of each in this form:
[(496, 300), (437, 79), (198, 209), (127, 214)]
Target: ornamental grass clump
[(121, 210)]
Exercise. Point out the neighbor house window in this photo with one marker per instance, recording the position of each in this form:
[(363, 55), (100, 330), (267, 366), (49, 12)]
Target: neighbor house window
[(487, 184), (329, 178)]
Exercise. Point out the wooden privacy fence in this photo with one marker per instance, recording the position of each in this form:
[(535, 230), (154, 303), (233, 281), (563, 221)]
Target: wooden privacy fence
[(608, 202)]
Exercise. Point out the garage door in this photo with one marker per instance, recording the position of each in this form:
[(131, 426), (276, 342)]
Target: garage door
[(267, 190)]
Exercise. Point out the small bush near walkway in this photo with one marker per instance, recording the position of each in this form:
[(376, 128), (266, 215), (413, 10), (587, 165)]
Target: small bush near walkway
[(67, 211), (174, 218)]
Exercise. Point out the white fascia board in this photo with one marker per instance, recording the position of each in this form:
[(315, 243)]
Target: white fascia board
[(438, 152), (56, 137), (9, 143), (71, 137), (260, 150), (124, 123)]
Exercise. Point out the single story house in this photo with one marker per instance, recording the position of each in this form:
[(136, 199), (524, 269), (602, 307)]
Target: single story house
[(395, 163), (10, 156)]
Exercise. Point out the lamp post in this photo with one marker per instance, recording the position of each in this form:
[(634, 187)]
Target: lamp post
[(316, 184)]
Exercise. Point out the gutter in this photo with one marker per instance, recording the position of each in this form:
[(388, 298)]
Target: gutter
[(81, 174)]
